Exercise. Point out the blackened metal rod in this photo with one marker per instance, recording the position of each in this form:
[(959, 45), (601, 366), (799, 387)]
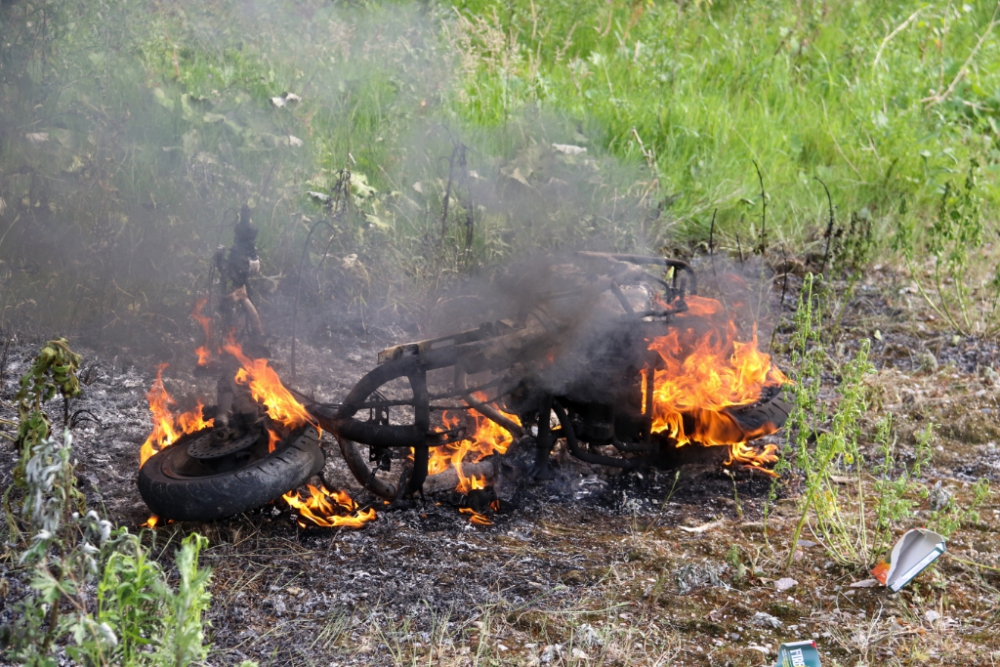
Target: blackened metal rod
[(422, 421)]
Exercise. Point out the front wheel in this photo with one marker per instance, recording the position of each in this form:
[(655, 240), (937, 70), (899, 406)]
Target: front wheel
[(178, 486)]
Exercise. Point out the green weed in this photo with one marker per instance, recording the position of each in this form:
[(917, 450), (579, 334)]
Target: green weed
[(963, 288), (183, 637), (894, 489), (949, 518), (805, 89), (54, 372), (65, 551), (853, 516)]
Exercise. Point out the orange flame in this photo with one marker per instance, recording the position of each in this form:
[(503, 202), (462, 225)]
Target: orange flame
[(486, 438), (475, 517), (741, 452), (320, 508), (266, 388), (151, 522), (704, 369), (203, 352), (166, 427), (476, 483), (272, 440)]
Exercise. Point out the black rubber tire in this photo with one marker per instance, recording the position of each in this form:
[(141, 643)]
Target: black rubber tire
[(171, 494), (771, 409)]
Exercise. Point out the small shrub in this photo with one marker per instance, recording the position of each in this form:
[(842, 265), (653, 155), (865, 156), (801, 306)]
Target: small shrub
[(136, 617), (53, 372), (183, 631), (854, 517), (950, 517), (965, 293)]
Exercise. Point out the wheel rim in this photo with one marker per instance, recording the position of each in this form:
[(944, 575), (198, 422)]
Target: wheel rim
[(178, 464)]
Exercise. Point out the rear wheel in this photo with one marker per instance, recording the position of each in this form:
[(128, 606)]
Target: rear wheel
[(396, 378), (772, 408), (398, 383), (178, 486), (389, 412)]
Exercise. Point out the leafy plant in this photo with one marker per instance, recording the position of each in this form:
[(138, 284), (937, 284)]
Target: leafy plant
[(129, 600), (183, 631), (852, 250), (853, 516), (950, 517), (71, 551), (964, 291), (735, 561), (53, 371), (894, 490), (837, 451)]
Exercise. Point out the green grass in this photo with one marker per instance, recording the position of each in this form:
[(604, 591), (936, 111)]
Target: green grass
[(710, 87)]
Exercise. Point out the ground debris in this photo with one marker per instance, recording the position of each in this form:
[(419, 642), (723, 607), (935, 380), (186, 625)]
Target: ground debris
[(693, 576), (764, 619)]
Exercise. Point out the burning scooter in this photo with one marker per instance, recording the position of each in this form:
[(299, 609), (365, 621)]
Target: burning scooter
[(617, 358)]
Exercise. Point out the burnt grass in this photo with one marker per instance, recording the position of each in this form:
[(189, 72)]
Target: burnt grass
[(670, 567)]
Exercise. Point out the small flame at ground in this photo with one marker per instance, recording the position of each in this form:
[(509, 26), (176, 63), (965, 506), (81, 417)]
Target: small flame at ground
[(151, 522), (485, 437), (475, 517), (741, 452), (704, 369), (321, 506), (167, 428), (203, 351)]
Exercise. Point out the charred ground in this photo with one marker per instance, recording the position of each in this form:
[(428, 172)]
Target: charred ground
[(654, 567)]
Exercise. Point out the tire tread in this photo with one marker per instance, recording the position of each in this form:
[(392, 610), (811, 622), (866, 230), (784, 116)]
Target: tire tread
[(219, 496)]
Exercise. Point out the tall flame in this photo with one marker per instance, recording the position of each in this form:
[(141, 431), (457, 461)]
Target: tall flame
[(319, 509), (166, 427), (266, 389), (203, 351), (704, 369)]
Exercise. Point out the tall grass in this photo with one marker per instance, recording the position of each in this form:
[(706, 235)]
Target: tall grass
[(858, 94)]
